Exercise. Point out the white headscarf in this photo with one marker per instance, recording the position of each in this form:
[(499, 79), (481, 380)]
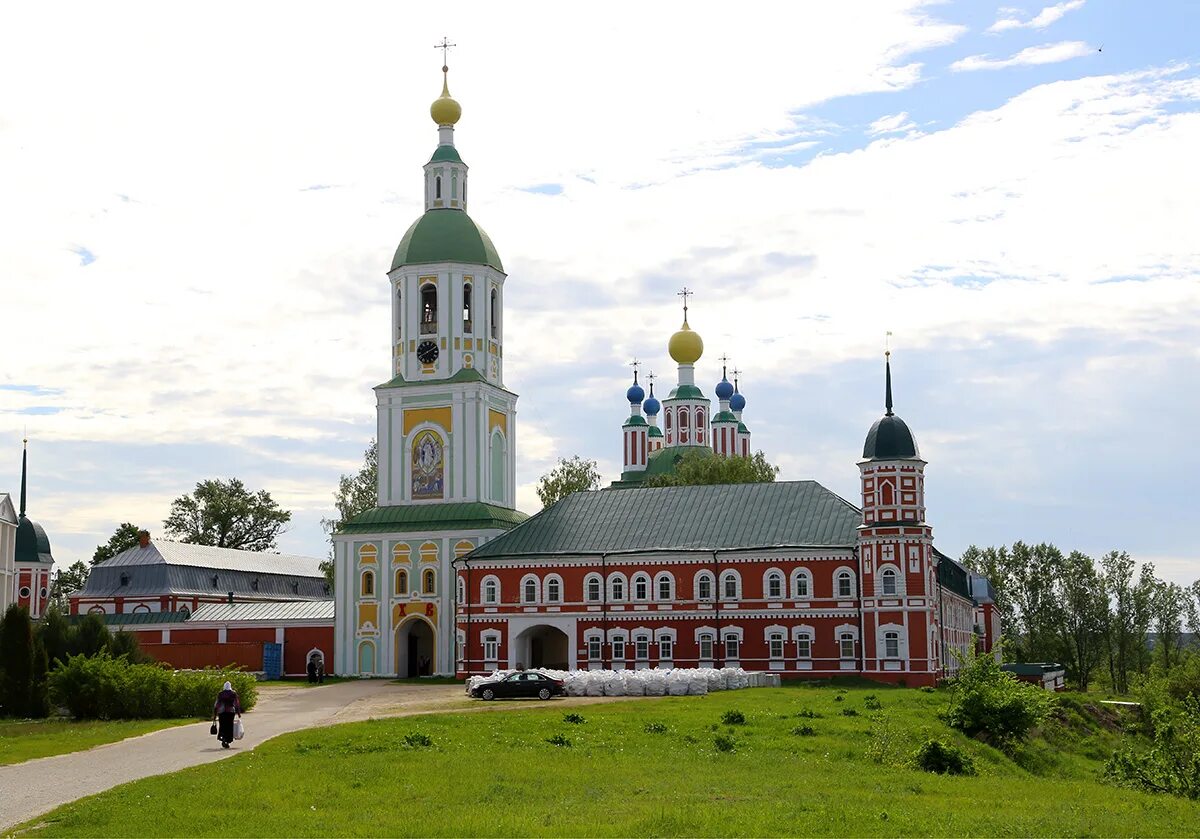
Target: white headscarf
[(228, 686)]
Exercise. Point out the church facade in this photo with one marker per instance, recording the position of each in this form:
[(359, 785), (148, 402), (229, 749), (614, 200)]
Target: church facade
[(29, 575), (446, 433)]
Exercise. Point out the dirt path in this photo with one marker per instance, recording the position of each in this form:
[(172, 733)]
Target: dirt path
[(38, 786)]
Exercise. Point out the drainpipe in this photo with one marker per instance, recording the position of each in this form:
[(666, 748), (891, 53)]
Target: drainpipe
[(718, 642), (467, 633), (605, 652)]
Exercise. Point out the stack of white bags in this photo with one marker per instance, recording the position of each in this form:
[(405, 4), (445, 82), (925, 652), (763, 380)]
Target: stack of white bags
[(656, 682)]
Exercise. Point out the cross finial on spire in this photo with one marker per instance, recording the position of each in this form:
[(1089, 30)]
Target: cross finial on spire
[(445, 46), (736, 373), (724, 364), (634, 364), (888, 397), (685, 294), (650, 379), (887, 344)]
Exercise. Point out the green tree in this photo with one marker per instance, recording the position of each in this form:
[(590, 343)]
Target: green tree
[(993, 564), (355, 494), (1083, 616), (703, 467), (1034, 570), (91, 636), (124, 538), (66, 581), (16, 662), (572, 474), (39, 700), (1168, 608), (54, 633), (225, 514), (1129, 616)]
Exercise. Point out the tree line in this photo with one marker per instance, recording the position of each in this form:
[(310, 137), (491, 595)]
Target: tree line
[(1107, 618)]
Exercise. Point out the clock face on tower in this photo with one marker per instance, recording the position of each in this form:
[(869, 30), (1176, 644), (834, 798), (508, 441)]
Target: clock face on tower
[(427, 352)]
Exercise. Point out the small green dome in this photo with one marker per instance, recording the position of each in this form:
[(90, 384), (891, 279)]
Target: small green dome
[(655, 431), (446, 236), (445, 152)]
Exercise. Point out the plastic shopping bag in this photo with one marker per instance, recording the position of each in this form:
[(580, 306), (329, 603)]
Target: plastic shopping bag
[(238, 730)]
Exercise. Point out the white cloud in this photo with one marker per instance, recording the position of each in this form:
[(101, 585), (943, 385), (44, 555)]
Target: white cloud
[(1047, 16), (892, 124), (1044, 54)]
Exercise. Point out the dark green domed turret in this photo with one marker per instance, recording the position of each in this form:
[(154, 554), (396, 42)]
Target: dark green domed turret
[(890, 438)]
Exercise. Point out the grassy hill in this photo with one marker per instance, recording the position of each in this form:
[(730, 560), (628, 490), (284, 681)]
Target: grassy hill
[(649, 767)]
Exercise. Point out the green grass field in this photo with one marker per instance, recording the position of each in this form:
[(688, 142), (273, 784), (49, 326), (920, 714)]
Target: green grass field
[(646, 767), (25, 740)]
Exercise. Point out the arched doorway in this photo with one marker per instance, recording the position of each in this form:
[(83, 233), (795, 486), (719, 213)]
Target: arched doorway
[(415, 648), (543, 646)]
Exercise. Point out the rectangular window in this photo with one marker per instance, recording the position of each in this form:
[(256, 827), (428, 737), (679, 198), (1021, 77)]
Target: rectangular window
[(847, 644), (706, 647), (491, 649), (891, 645), (776, 646), (618, 645), (804, 647), (664, 589), (665, 649), (593, 649), (731, 647), (642, 648)]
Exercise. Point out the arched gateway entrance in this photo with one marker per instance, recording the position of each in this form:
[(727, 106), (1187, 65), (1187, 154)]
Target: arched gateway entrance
[(416, 651), (543, 646)]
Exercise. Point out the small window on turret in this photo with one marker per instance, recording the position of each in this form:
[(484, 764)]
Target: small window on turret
[(466, 313), (428, 309), (437, 187), (495, 315), (684, 426)]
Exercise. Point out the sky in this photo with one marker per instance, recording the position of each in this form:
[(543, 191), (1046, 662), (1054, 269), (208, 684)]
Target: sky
[(198, 205)]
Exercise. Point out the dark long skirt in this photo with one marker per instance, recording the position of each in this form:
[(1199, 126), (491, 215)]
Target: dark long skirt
[(225, 727)]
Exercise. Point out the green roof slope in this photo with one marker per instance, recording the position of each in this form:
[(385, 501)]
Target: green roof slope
[(472, 515), (446, 236), (720, 517)]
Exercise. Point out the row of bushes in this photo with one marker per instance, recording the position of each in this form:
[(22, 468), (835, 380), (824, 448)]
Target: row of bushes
[(103, 687)]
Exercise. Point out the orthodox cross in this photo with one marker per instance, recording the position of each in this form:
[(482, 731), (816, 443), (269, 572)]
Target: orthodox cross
[(887, 344), (724, 363), (634, 364), (650, 379), (736, 373), (685, 294), (444, 46)]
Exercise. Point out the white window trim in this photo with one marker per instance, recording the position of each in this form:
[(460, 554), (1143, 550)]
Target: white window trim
[(663, 575), (881, 648), (737, 579), (797, 574), (362, 576), (853, 582), (696, 585), (486, 636), (587, 582), (537, 590), (614, 577), (614, 634), (783, 584), (633, 581), (546, 589), (665, 632), (899, 578)]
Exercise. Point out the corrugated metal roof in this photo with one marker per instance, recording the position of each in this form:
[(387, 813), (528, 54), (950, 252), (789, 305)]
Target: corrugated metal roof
[(284, 610), (135, 618), (203, 556), (471, 515), (721, 517)]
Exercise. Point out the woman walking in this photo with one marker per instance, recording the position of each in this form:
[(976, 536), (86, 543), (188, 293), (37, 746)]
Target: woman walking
[(226, 706)]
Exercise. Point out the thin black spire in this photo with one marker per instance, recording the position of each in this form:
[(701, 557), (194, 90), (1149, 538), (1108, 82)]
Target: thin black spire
[(888, 365), (24, 464)]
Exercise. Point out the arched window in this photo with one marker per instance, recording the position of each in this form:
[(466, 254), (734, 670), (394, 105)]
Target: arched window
[(437, 187), (95, 610), (368, 583), (774, 585), (667, 424), (427, 581), (454, 184), (491, 591), (844, 583), (891, 645), (495, 314), (460, 590), (466, 312), (529, 591), (886, 495), (617, 587), (801, 583), (684, 435), (553, 590), (704, 586), (428, 309), (700, 425), (729, 586), (887, 578), (401, 582), (665, 585), (641, 587), (592, 589)]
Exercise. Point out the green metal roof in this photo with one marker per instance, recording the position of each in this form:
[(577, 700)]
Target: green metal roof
[(471, 515), (32, 543), (463, 376), (686, 392), (655, 431), (443, 153), (634, 419), (742, 428), (715, 517), (135, 618), (446, 236), (724, 416)]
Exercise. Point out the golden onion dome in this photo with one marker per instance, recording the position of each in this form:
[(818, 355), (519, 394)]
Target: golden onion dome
[(686, 346), (445, 110)]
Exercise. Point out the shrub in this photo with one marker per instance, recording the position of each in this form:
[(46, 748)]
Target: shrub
[(733, 718), (884, 743), (102, 687), (849, 712), (928, 689), (1172, 763), (839, 698), (16, 663), (575, 719), (943, 758), (871, 703), (986, 700), (655, 728), (417, 740), (804, 731), (808, 714), (558, 740), (723, 743)]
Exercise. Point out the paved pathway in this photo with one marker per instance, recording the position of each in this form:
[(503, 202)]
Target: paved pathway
[(37, 786)]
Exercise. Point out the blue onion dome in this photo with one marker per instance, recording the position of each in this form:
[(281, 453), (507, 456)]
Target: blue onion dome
[(652, 406), (724, 389), (737, 402), (635, 394)]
